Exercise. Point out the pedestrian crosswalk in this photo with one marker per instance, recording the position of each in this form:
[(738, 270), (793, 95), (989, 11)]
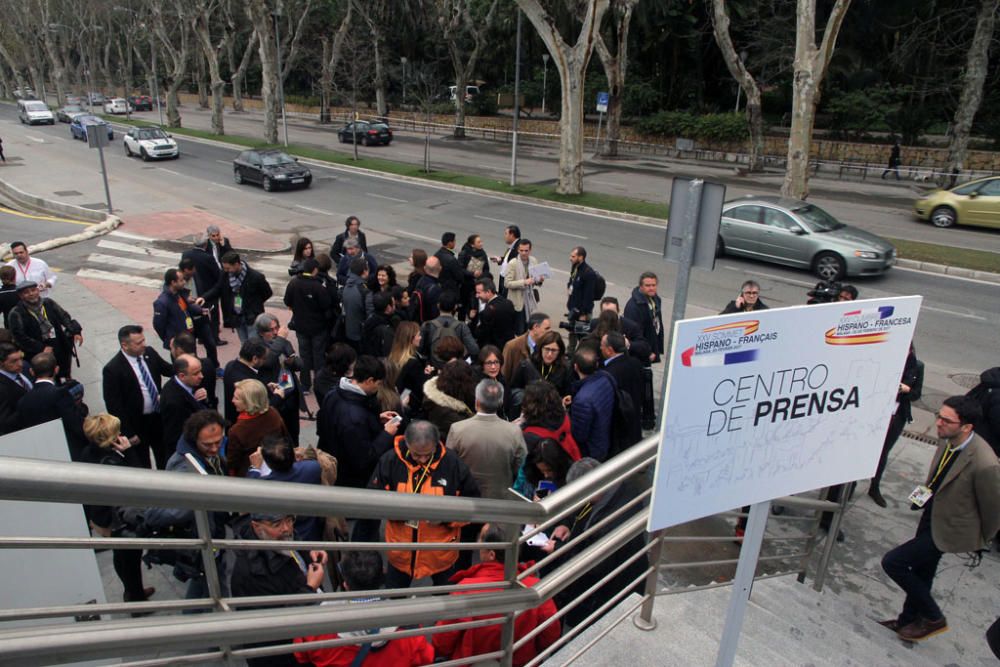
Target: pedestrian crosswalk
[(132, 259)]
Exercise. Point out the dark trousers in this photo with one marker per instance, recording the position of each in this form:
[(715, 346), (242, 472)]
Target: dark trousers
[(215, 313), (896, 425), (128, 567), (912, 566), (398, 579), (150, 434), (204, 335), (312, 351)]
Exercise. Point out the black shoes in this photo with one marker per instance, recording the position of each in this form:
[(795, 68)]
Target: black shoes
[(875, 494)]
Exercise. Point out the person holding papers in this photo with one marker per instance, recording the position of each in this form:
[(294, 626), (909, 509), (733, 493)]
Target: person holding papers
[(523, 277)]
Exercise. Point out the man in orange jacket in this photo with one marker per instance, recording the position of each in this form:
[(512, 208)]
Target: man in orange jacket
[(476, 641), (419, 463)]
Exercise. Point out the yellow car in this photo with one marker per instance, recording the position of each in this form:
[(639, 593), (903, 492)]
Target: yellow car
[(974, 203)]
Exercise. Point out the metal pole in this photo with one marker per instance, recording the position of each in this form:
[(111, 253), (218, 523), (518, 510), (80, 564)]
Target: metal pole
[(104, 169), (510, 574), (517, 104), (644, 619), (281, 81), (831, 538), (597, 140), (743, 583)]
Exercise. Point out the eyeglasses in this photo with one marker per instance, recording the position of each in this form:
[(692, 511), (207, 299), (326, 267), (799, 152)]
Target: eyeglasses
[(937, 415), (748, 293), (491, 362), (556, 350)]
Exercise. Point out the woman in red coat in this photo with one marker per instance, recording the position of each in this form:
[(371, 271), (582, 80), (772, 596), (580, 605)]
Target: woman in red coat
[(255, 421)]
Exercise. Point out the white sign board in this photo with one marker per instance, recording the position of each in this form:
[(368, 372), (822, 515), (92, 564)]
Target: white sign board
[(775, 402)]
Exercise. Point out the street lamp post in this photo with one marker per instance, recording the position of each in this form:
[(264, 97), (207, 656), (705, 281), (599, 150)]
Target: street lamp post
[(402, 61), (545, 79), (281, 83)]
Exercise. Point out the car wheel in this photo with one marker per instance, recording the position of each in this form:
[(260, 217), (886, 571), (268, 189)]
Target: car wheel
[(128, 151), (144, 155), (342, 138), (268, 185), (943, 216), (238, 177), (829, 266), (367, 141)]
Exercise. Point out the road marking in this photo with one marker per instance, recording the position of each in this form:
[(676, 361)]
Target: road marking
[(40, 140), (228, 163), (171, 171), (553, 231), (44, 217), (944, 275), (127, 262), (651, 252), (315, 210), (134, 237), (402, 201), (955, 313), (486, 217), (136, 250), (418, 236), (227, 187), (138, 281), (555, 270)]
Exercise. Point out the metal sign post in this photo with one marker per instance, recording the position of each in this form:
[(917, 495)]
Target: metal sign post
[(743, 583), (602, 108), (97, 137)]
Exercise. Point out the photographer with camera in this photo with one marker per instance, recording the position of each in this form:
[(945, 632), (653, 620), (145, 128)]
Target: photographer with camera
[(828, 291), (581, 290)]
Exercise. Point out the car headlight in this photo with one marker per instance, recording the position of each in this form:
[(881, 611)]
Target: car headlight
[(866, 254)]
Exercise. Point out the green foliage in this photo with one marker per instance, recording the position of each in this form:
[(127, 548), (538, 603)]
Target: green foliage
[(641, 99), (303, 100), (853, 114), (482, 105), (716, 128)]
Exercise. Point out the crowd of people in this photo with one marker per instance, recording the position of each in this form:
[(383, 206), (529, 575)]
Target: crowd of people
[(451, 381)]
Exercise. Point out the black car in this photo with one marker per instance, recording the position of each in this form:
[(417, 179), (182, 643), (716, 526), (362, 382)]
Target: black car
[(273, 169), (367, 133)]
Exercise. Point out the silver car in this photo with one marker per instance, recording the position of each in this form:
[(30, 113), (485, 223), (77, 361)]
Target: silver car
[(800, 234)]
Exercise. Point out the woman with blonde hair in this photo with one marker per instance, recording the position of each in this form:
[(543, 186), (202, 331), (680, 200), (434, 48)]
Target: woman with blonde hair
[(256, 420), (408, 366), (107, 446)]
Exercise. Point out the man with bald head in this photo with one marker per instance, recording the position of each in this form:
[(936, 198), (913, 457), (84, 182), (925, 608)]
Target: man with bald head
[(181, 397), (427, 292)]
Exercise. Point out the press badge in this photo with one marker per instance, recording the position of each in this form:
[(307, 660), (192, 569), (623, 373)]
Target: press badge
[(189, 323), (921, 495), (238, 302)]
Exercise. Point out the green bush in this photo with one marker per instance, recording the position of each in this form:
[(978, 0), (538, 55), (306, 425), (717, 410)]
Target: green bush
[(716, 128), (484, 104), (303, 100)]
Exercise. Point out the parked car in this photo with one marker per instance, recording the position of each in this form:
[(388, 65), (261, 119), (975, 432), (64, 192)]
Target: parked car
[(117, 105), (366, 132), (273, 169), (81, 124), (974, 203), (470, 92), (800, 234), (94, 97), (141, 102), (34, 111), (24, 93), (66, 113), (150, 143)]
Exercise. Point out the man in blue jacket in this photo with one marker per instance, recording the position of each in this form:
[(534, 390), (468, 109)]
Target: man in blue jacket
[(593, 406), (174, 312)]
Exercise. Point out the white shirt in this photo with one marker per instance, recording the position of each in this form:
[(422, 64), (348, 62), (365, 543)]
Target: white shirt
[(147, 399), (35, 270), (14, 376)]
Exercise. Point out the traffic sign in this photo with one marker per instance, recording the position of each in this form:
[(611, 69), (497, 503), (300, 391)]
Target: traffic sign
[(602, 102)]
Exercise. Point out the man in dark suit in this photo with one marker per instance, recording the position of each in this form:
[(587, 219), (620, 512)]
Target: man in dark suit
[(244, 291), (512, 237), (453, 276), (625, 369), (13, 386), (46, 402), (496, 321), (201, 274), (253, 353), (183, 343), (353, 231), (180, 399), (8, 291), (131, 384), (176, 311)]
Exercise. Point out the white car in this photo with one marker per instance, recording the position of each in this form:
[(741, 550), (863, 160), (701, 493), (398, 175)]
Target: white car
[(150, 143), (117, 105), (35, 111)]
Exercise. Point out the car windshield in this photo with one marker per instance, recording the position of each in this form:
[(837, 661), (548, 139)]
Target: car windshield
[(36, 106), (380, 126), (818, 219), (154, 133), (275, 159)]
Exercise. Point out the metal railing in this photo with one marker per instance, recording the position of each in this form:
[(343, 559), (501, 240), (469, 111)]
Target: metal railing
[(222, 633)]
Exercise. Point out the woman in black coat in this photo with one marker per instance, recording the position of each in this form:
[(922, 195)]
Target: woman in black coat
[(910, 386), (547, 362)]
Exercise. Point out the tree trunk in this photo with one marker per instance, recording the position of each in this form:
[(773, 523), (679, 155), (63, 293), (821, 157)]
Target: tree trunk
[(202, 81), (382, 107), (571, 63), (810, 67), (460, 83), (240, 73), (211, 58), (331, 59), (976, 67), (173, 103), (746, 81), (615, 68), (261, 17)]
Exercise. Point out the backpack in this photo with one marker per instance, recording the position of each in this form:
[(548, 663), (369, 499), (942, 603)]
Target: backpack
[(563, 435), (436, 330), (600, 286), (417, 306), (626, 423)]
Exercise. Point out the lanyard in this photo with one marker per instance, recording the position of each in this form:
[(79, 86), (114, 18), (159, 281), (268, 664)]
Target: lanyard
[(44, 316), (25, 269), (547, 373), (423, 478), (948, 453), (182, 303)]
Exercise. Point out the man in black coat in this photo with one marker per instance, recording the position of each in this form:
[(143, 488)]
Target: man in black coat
[(183, 343), (427, 293), (512, 237), (625, 369), (645, 309), (352, 231), (41, 325), (244, 292), (201, 274), (46, 402), (245, 367), (176, 311), (131, 385), (581, 289), (180, 399), (8, 291), (312, 309), (376, 332), (350, 427), (13, 386), (453, 276), (495, 322)]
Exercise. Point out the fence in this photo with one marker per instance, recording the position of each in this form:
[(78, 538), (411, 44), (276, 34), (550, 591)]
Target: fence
[(222, 632)]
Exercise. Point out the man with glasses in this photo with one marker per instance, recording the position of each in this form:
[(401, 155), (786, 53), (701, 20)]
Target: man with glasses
[(747, 301), (961, 512)]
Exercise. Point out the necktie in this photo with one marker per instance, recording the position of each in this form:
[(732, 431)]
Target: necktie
[(21, 381), (147, 379)]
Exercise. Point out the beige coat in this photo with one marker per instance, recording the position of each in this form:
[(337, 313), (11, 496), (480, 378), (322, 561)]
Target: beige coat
[(515, 281), (492, 448), (965, 513)]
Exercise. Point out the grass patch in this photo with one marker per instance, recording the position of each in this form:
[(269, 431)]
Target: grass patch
[(979, 260)]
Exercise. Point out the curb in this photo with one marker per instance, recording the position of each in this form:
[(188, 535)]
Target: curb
[(103, 222), (944, 269)]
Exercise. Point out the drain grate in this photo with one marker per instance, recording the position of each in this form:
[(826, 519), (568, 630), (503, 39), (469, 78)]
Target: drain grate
[(967, 380), (67, 193), (921, 437)]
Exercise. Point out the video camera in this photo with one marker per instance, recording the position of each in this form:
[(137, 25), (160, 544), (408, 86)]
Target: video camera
[(826, 291), (576, 327)]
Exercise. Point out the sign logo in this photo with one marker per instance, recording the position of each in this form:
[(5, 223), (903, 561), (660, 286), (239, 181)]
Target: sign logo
[(727, 344), (867, 326)]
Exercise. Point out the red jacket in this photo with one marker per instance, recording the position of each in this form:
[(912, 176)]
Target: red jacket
[(405, 652), (464, 643)]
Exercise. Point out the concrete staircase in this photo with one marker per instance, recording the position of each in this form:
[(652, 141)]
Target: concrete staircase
[(787, 623)]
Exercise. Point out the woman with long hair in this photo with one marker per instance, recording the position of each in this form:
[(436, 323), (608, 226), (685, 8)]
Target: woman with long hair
[(407, 367), (473, 258), (338, 362), (256, 420), (303, 251), (488, 366), (385, 276), (547, 362), (418, 259), (451, 396)]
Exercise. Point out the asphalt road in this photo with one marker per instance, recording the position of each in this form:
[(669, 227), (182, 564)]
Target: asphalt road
[(956, 333)]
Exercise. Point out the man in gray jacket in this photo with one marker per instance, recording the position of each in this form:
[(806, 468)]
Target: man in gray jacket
[(357, 302), (445, 325)]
